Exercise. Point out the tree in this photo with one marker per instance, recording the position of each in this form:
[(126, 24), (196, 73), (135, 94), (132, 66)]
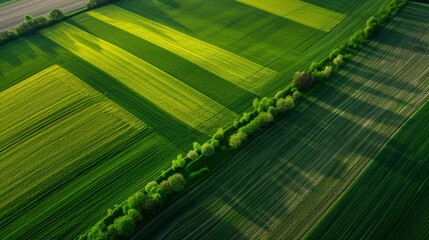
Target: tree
[(296, 95), (192, 155), (303, 80), (207, 149), (134, 214), (339, 60), (237, 139), (166, 187), (179, 162), (283, 104), (124, 225), (196, 146), (219, 134), (177, 182), (56, 15)]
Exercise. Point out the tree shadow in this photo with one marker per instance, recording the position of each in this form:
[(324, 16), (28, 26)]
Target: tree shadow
[(376, 75)]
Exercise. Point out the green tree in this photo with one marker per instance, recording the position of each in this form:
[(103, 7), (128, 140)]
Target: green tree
[(207, 149), (177, 182), (303, 80)]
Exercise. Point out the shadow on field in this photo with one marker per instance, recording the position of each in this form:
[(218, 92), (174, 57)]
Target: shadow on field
[(171, 3), (150, 9), (162, 122), (372, 74)]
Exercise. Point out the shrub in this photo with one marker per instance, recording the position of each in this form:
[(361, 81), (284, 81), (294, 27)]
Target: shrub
[(237, 139), (335, 53), (339, 60), (214, 142), (166, 187), (177, 182), (179, 162), (219, 134), (134, 214), (56, 15), (284, 104), (192, 155), (263, 104), (303, 80), (296, 95), (124, 225), (207, 149), (199, 173), (196, 146), (152, 188)]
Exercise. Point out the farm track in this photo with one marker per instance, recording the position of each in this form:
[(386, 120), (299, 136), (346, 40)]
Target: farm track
[(282, 182)]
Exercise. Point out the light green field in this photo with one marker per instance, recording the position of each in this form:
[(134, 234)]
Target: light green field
[(59, 138), (227, 65), (52, 121), (299, 11), (165, 91)]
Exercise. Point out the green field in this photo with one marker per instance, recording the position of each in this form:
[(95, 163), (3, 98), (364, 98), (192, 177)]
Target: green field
[(284, 181), (390, 193), (96, 106), (56, 129)]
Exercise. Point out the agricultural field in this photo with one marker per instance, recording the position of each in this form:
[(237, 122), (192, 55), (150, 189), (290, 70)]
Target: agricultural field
[(96, 106), (389, 200), (278, 187)]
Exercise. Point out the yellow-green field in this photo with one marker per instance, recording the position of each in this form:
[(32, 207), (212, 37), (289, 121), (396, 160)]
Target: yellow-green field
[(231, 67), (165, 91), (51, 122)]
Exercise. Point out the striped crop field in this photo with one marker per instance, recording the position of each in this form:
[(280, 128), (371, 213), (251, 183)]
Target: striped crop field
[(54, 126), (391, 193), (227, 65), (284, 181), (96, 106), (165, 91)]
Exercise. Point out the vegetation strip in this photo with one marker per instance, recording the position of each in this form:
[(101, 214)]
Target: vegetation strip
[(236, 69), (121, 220), (165, 91)]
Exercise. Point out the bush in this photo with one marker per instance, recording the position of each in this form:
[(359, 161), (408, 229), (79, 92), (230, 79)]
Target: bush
[(284, 104), (339, 60), (199, 173), (237, 139), (207, 149), (177, 182), (136, 201), (192, 155), (220, 133), (124, 225), (179, 162), (134, 214), (196, 146), (303, 80), (335, 53), (55, 16), (296, 95), (263, 104)]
